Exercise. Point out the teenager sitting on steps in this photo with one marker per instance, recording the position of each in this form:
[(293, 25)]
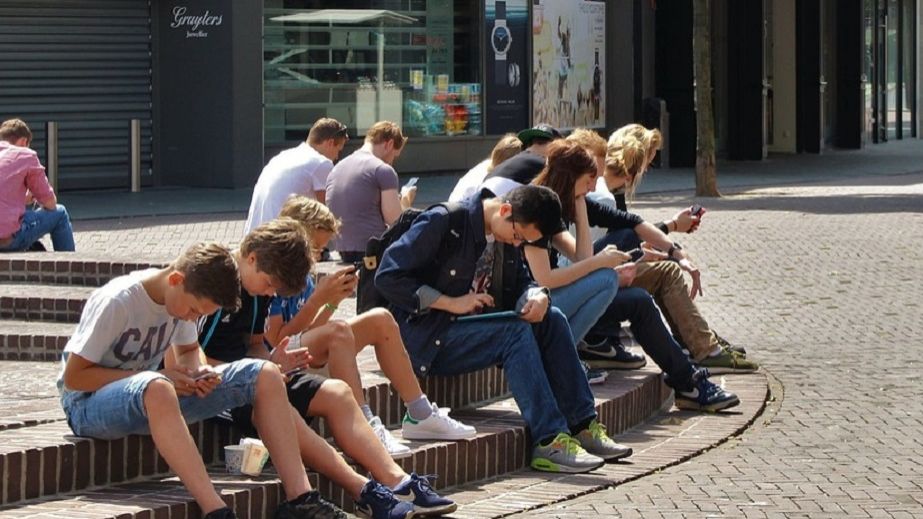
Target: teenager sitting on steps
[(428, 293)]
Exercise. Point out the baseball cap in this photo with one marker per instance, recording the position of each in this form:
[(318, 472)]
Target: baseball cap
[(539, 131)]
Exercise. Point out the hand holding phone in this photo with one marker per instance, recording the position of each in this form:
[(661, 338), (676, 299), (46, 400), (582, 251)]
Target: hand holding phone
[(696, 210), (409, 185), (636, 254)]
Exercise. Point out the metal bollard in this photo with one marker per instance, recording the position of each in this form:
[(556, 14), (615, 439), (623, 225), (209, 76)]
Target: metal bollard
[(51, 153), (135, 155)]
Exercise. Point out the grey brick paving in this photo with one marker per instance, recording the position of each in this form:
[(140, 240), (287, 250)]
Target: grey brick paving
[(823, 285)]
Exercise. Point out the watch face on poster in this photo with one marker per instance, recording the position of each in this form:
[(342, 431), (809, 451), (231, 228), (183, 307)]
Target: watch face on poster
[(500, 39), (513, 75)]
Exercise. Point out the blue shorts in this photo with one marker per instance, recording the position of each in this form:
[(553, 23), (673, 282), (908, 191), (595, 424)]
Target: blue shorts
[(117, 409)]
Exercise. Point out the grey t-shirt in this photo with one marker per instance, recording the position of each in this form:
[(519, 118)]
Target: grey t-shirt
[(354, 195), (122, 327)]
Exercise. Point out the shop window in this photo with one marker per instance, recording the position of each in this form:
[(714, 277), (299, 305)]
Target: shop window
[(414, 62)]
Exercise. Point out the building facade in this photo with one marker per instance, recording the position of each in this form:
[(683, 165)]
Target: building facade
[(220, 86)]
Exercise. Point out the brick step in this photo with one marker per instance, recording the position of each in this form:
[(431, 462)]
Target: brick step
[(33, 340), (64, 268), (84, 465), (33, 302), (668, 438), (37, 444), (81, 270)]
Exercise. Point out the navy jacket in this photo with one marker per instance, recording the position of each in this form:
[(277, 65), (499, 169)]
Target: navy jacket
[(411, 276)]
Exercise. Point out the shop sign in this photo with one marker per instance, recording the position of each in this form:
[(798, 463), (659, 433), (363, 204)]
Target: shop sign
[(194, 23), (506, 84)]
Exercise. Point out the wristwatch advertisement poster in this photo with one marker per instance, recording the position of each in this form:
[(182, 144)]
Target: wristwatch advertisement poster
[(506, 85)]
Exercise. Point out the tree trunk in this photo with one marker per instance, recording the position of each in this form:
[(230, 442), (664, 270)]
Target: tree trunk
[(706, 174)]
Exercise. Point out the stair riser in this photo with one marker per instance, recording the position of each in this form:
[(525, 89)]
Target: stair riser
[(60, 270), (23, 307)]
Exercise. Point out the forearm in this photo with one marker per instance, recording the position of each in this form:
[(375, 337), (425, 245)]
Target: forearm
[(559, 277), (93, 378), (652, 235), (187, 357), (581, 222)]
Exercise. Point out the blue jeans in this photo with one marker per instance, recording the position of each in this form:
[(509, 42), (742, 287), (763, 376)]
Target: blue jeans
[(624, 239), (39, 222), (117, 409), (584, 301), (540, 363), (637, 306)]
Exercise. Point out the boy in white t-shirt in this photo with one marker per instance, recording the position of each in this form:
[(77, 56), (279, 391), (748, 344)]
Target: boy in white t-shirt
[(110, 386), (301, 170)]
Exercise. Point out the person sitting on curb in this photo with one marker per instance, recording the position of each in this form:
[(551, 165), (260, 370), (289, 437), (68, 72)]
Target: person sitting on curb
[(428, 293), (507, 147), (306, 319), (571, 173), (109, 387), (664, 279), (23, 182), (521, 168), (362, 190), (301, 170), (276, 258)]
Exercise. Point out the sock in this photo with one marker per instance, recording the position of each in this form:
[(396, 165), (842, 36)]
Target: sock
[(401, 482), (367, 412), (576, 429), (420, 409)]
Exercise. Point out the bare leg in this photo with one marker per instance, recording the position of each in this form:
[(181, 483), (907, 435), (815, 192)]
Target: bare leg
[(320, 456), (334, 402), (171, 436), (378, 328), (333, 342), (272, 415)]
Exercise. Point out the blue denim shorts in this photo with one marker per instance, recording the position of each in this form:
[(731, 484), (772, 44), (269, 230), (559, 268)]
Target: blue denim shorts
[(117, 409)]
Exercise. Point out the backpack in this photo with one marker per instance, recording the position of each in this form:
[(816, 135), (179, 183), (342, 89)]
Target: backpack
[(367, 296)]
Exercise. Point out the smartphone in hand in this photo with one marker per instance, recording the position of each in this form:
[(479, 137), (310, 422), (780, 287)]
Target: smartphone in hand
[(636, 254), (409, 185), (696, 210)]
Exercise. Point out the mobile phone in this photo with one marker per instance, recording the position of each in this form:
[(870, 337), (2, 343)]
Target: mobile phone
[(507, 314), (636, 254), (208, 375), (696, 209), (412, 182)]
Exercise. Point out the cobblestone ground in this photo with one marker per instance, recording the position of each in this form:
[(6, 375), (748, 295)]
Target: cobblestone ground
[(823, 286), (822, 283)]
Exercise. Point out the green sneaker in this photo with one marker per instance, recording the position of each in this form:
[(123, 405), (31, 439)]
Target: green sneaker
[(564, 454), (728, 361), (595, 440)]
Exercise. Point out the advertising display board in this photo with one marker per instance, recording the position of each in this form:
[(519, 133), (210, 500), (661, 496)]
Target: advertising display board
[(506, 85), (568, 57)]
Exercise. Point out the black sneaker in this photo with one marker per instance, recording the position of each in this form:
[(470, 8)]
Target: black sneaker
[(309, 505), (704, 395), (377, 501), (609, 354), (728, 346), (221, 513)]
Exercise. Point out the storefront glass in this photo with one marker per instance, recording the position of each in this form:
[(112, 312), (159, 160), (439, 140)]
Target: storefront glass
[(415, 62)]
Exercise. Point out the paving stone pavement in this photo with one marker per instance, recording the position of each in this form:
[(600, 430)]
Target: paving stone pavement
[(823, 286)]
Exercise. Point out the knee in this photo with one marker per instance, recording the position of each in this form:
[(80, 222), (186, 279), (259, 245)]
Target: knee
[(340, 332), (270, 372), (159, 392), (338, 391), (381, 318)]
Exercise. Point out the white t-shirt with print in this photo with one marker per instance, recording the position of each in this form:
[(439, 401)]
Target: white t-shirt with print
[(300, 170), (123, 328)]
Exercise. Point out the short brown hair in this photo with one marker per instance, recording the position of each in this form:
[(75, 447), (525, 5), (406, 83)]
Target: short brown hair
[(590, 141), (14, 129), (567, 161), (506, 147), (210, 273), (283, 251), (327, 128), (310, 213), (384, 131)]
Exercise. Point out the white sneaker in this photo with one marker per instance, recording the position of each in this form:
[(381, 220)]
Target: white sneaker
[(439, 426), (395, 448)]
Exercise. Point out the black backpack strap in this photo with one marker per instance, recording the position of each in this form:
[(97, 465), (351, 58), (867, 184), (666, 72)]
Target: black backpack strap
[(458, 216)]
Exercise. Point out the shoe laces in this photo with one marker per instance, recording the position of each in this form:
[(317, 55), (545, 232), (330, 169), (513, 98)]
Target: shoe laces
[(382, 432), (379, 494), (568, 443), (423, 482), (598, 431), (443, 414)]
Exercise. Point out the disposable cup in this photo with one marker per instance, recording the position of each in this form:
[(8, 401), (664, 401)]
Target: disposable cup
[(233, 458)]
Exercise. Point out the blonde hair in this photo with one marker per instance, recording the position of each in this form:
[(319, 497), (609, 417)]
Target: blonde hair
[(651, 139), (313, 215), (627, 159), (508, 146), (384, 131), (590, 141)]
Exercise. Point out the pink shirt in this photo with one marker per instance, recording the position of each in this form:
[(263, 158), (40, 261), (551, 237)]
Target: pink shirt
[(20, 170)]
